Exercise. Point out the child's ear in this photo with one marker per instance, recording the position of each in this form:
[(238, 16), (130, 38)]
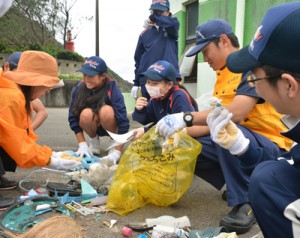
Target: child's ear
[(292, 85)]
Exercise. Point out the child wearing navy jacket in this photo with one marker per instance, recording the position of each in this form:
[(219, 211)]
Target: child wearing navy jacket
[(97, 105), (166, 97)]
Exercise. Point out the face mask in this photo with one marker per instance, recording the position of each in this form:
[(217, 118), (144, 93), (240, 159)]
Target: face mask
[(154, 92), (4, 6)]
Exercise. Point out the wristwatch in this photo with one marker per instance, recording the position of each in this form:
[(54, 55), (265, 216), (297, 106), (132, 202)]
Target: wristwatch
[(188, 119)]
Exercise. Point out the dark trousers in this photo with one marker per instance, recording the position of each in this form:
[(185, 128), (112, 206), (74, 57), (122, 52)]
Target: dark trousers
[(217, 166), (6, 162), (274, 196)]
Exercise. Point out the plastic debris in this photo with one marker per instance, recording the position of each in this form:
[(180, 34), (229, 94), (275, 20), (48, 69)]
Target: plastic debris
[(169, 221), (112, 222), (126, 231), (77, 208)]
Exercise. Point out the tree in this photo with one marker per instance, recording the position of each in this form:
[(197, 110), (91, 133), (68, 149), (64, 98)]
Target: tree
[(38, 22), (68, 24)]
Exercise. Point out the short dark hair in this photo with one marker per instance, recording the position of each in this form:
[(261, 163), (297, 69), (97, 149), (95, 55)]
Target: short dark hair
[(232, 37), (270, 70)]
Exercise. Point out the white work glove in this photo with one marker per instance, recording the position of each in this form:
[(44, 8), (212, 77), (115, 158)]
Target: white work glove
[(56, 162), (138, 133), (84, 150), (134, 91), (225, 133), (111, 158), (169, 124), (148, 24)]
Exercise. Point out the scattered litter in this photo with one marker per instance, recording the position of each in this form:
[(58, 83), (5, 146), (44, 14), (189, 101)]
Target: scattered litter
[(142, 236), (160, 231), (67, 199), (32, 194), (86, 201), (139, 226), (77, 208), (86, 188), (44, 206), (126, 231), (98, 217), (227, 235), (99, 201), (112, 222), (169, 221), (210, 232), (59, 188), (106, 223), (23, 214), (101, 209)]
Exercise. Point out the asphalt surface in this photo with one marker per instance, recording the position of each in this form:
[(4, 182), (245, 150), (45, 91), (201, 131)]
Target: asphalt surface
[(202, 203)]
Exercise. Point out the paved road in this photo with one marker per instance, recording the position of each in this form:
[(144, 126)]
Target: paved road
[(201, 203)]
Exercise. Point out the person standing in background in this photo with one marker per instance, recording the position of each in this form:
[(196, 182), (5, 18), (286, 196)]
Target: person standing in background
[(159, 41)]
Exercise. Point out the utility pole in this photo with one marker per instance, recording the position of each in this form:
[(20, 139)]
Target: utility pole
[(97, 28)]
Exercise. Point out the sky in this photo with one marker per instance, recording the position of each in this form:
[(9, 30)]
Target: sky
[(121, 23)]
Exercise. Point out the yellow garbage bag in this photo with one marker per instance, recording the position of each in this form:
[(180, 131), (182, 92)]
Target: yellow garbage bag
[(154, 171)]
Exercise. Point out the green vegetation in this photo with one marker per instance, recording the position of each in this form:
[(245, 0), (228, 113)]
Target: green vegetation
[(70, 77), (43, 25)]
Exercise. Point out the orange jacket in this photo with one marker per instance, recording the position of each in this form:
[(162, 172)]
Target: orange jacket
[(262, 119), (16, 134)]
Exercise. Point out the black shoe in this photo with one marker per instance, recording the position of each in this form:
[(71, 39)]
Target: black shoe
[(224, 195), (5, 203), (240, 219), (6, 184)]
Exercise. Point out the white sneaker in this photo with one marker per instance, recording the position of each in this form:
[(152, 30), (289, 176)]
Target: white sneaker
[(111, 150), (94, 145)]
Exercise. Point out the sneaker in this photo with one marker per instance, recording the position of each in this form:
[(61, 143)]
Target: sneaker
[(5, 203), (6, 184), (94, 145), (240, 219)]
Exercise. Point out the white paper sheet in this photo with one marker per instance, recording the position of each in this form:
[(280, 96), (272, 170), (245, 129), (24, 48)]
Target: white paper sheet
[(120, 139)]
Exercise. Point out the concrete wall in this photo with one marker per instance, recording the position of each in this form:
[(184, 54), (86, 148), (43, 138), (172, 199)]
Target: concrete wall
[(64, 66), (61, 97)]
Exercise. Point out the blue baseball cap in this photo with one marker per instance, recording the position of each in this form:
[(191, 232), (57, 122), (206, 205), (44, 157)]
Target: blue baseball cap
[(161, 70), (207, 32), (275, 42), (93, 65), (13, 60), (160, 5)]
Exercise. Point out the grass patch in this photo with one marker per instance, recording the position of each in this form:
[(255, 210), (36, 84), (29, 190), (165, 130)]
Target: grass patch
[(70, 76)]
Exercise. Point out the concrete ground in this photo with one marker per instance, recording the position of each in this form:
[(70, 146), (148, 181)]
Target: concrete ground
[(201, 203)]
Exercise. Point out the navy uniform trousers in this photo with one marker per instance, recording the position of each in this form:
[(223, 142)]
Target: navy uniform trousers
[(217, 166), (275, 196)]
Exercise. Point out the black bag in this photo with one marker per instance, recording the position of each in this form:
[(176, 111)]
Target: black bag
[(61, 189)]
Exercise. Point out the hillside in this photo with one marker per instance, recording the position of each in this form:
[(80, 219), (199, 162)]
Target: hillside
[(123, 85), (36, 33)]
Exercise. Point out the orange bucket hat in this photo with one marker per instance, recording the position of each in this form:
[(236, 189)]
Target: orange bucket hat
[(35, 68)]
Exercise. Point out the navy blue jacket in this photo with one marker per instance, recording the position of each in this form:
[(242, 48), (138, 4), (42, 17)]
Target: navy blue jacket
[(157, 43), (113, 98), (176, 101)]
